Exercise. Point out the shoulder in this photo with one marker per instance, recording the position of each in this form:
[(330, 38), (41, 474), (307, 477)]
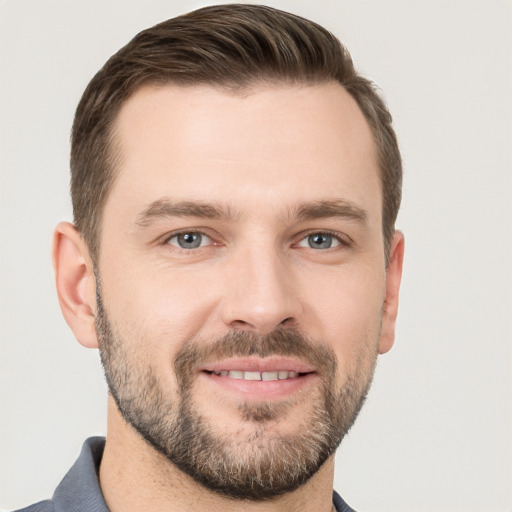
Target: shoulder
[(42, 506), (79, 489)]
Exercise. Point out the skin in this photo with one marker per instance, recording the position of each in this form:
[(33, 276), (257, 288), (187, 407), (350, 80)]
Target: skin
[(258, 155)]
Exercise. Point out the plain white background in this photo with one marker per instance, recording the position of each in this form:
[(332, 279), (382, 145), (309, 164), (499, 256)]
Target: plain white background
[(435, 434)]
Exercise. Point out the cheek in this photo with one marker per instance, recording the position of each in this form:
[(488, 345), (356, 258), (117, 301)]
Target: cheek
[(157, 304), (348, 314)]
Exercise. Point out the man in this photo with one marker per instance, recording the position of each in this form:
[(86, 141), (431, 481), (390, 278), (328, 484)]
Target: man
[(235, 185)]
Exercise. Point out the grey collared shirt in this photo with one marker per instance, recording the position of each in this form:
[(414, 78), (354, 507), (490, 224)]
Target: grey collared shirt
[(80, 489)]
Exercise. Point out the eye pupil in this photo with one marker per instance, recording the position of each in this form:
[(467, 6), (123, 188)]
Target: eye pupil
[(189, 240), (320, 241)]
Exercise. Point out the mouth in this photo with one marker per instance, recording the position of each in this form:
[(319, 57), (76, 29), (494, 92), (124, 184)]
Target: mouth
[(260, 378), (255, 375)]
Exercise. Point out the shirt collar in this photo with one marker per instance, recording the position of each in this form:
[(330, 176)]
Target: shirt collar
[(80, 488)]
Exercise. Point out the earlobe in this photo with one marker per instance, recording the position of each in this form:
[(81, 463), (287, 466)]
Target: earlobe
[(76, 285), (393, 278)]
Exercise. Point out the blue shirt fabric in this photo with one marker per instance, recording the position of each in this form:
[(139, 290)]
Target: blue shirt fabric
[(80, 489)]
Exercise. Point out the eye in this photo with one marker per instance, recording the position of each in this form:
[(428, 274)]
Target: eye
[(189, 240), (320, 241)]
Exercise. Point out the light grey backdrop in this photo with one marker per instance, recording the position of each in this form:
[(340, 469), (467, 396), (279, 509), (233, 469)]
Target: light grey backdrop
[(436, 432)]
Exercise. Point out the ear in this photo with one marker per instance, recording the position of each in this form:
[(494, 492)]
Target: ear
[(76, 283), (393, 278)]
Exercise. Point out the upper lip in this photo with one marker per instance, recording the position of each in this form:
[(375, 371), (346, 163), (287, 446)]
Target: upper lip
[(258, 364)]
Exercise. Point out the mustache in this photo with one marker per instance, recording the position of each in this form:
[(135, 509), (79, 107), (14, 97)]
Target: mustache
[(284, 342)]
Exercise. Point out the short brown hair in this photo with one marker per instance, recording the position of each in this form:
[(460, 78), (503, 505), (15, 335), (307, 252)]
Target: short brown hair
[(232, 46)]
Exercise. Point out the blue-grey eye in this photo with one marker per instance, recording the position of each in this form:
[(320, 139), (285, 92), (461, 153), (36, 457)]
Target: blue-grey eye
[(319, 241), (191, 240)]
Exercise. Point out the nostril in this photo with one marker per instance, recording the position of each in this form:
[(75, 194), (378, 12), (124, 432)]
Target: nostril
[(241, 324), (287, 321)]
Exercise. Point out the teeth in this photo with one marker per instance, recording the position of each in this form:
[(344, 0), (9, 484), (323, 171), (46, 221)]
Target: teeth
[(252, 375), (265, 376)]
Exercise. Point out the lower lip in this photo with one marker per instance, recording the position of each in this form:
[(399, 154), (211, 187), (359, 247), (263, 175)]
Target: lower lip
[(259, 389)]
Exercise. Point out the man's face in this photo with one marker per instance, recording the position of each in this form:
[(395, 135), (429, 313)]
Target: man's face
[(242, 279)]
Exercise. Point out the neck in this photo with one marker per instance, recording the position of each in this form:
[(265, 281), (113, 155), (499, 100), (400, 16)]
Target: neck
[(134, 476)]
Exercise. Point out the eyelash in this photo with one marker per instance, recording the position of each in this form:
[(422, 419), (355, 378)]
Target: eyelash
[(343, 241), (187, 232)]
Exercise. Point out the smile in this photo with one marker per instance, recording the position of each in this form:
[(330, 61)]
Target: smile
[(252, 375), (260, 379)]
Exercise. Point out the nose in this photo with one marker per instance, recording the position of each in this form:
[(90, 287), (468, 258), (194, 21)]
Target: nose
[(261, 293)]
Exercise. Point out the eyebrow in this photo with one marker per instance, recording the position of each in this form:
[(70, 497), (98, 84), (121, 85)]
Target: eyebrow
[(320, 209), (164, 208), (330, 208)]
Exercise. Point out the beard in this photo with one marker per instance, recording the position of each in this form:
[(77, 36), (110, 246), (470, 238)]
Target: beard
[(256, 463)]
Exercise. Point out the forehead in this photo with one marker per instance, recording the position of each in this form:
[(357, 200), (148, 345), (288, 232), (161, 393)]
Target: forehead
[(265, 147)]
